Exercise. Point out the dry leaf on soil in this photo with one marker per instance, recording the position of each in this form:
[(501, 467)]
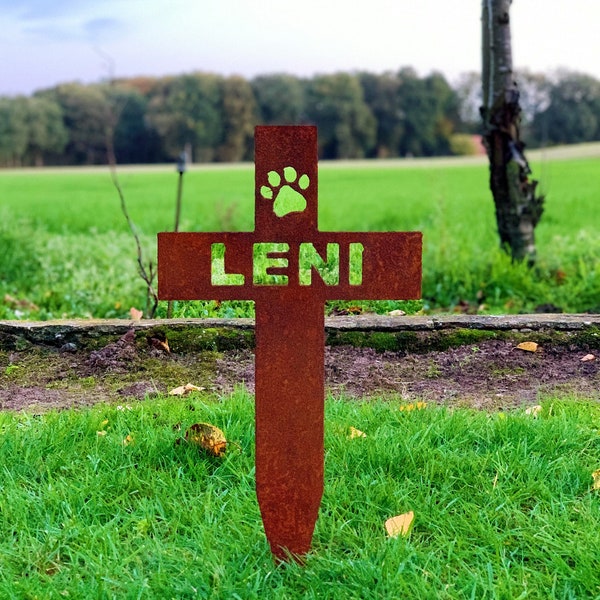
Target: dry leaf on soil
[(184, 390), (528, 346), (400, 525), (356, 433), (162, 345), (207, 437), (588, 358)]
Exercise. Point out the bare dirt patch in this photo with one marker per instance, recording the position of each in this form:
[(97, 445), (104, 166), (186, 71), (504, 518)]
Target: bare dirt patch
[(490, 374)]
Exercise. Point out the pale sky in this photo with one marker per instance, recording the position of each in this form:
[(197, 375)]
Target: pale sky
[(45, 42)]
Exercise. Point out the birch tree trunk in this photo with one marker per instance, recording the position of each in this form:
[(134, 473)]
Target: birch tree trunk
[(518, 209)]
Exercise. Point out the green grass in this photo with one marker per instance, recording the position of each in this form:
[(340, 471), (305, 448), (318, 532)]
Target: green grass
[(71, 253), (503, 502)]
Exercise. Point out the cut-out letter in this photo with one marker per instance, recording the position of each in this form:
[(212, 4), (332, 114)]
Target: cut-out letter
[(328, 269), (356, 263), (262, 262), (218, 275)]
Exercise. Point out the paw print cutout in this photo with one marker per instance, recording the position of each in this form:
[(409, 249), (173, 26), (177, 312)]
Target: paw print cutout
[(286, 191)]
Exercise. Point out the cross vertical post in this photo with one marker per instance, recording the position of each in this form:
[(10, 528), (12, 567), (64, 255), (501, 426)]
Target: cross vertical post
[(289, 268)]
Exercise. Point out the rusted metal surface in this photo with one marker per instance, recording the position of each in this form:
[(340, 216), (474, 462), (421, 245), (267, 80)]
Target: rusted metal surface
[(289, 316)]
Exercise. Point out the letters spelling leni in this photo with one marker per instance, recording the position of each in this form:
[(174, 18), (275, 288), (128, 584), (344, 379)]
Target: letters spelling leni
[(268, 256)]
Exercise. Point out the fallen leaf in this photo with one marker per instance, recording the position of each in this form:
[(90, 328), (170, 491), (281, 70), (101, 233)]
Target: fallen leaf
[(534, 411), (160, 344), (207, 437), (136, 314), (16, 302), (400, 525), (184, 390), (588, 358), (355, 433), (596, 477), (413, 406), (101, 433), (396, 313), (128, 440), (528, 346)]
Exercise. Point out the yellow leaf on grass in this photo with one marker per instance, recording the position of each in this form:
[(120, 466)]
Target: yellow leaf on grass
[(207, 437), (184, 390), (128, 440), (400, 525), (528, 346), (534, 411), (596, 478), (413, 406), (101, 433), (356, 433)]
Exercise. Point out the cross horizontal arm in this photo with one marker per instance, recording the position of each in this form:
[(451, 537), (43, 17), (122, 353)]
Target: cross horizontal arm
[(345, 266)]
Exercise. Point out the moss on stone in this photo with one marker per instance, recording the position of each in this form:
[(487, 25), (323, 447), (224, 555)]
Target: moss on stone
[(380, 341), (588, 338), (194, 339), (411, 341), (454, 338)]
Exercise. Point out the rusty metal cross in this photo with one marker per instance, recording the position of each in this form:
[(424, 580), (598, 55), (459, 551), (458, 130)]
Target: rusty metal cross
[(289, 268)]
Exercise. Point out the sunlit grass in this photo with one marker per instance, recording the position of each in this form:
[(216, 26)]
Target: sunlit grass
[(76, 257), (503, 502)]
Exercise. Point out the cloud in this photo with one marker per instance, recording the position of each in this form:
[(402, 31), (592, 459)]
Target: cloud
[(97, 30), (51, 33), (39, 10), (103, 29)]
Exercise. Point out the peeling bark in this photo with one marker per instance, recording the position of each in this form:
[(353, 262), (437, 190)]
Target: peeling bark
[(518, 209)]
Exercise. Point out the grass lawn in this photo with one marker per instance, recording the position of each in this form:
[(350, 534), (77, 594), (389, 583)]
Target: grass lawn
[(67, 251), (504, 504)]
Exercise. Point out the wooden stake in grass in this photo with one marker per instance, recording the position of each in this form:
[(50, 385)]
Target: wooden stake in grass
[(181, 169)]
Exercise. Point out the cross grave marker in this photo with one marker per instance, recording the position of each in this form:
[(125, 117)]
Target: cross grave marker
[(289, 268)]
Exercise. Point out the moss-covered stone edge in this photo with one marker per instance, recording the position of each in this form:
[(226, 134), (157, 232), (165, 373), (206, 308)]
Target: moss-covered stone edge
[(421, 342), (186, 339)]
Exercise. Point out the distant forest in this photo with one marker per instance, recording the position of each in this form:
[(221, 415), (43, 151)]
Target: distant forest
[(212, 118)]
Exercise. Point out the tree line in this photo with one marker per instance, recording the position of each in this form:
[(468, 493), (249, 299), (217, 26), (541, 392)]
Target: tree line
[(212, 117)]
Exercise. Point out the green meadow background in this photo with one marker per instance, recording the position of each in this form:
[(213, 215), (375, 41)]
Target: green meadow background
[(67, 251), (104, 502)]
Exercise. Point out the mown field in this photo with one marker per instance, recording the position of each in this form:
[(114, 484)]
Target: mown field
[(104, 503), (67, 252)]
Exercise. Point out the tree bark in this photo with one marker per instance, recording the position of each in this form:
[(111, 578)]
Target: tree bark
[(518, 209)]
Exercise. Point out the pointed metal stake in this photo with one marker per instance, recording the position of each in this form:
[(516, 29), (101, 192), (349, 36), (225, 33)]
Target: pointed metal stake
[(282, 267)]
